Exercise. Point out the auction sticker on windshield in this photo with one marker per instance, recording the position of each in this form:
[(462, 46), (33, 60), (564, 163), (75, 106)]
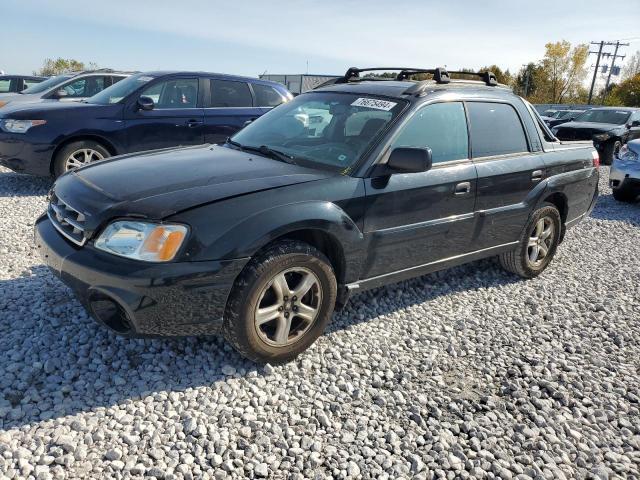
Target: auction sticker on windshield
[(374, 103)]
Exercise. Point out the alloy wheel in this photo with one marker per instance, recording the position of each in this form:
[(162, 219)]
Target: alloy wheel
[(540, 241), (82, 157), (288, 306)]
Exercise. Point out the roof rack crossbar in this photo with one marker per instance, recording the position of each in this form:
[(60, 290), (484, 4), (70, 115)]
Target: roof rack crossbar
[(487, 77)]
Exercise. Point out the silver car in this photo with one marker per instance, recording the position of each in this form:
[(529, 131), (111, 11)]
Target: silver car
[(624, 177)]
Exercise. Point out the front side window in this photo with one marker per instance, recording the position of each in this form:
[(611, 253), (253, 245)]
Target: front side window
[(84, 87), (495, 129), (267, 96), (225, 93), (30, 82), (322, 129), (442, 127), (177, 93)]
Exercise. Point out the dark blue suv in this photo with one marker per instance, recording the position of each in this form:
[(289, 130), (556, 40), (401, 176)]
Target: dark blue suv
[(145, 111)]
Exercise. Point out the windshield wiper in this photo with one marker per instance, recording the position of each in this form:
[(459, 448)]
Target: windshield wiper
[(265, 151)]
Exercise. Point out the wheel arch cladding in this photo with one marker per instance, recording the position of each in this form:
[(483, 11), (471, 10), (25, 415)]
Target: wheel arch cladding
[(81, 138), (320, 223), (561, 202)]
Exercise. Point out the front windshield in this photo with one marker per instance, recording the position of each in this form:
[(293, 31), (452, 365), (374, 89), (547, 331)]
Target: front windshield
[(615, 117), (120, 90), (326, 130), (46, 85)]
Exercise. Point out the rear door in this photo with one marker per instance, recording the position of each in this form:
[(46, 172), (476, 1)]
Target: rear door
[(230, 104), (415, 219), (509, 168), (176, 120)]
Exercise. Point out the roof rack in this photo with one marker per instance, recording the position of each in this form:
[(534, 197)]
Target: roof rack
[(440, 75)]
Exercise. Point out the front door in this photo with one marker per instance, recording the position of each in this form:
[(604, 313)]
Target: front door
[(176, 118), (417, 218)]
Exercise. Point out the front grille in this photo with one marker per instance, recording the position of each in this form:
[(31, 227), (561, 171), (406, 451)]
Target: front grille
[(67, 220)]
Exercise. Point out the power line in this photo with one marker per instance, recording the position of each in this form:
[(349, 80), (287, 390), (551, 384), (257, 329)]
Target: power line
[(601, 54)]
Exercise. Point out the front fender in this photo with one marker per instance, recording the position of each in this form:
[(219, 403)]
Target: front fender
[(244, 238)]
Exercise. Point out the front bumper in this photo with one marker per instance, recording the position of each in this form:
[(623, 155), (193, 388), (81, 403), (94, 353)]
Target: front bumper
[(21, 155), (624, 173), (141, 299)]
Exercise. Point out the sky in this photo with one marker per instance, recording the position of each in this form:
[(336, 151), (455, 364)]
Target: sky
[(251, 37)]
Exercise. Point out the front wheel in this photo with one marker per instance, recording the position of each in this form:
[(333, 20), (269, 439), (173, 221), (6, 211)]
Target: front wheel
[(281, 302), (611, 150), (625, 194), (537, 245), (78, 154)]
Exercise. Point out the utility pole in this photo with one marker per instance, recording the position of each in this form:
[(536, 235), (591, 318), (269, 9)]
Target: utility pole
[(613, 64), (526, 80), (595, 72)]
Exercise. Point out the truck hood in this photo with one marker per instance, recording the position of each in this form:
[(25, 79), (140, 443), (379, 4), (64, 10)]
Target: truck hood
[(160, 183)]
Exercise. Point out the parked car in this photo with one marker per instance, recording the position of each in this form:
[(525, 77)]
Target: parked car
[(262, 237), (17, 83), (624, 177), (563, 116), (609, 128), (66, 87), (144, 112)]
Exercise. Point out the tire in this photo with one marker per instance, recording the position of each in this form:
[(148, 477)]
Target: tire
[(260, 285), (88, 150), (610, 151), (625, 194), (519, 261)]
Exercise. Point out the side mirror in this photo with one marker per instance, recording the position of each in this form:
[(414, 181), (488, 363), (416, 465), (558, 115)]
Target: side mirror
[(248, 122), (61, 93), (409, 160), (635, 123), (145, 103)]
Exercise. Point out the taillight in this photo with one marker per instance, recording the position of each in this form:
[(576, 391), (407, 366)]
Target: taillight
[(596, 158)]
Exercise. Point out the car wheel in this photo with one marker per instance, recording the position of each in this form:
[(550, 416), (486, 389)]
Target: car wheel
[(625, 194), (610, 151), (280, 303), (78, 154), (538, 243)]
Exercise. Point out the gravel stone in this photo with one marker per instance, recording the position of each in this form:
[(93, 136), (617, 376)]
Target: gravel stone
[(467, 373)]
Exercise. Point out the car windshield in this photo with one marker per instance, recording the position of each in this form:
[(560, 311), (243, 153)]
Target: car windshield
[(120, 90), (324, 130), (616, 117), (46, 85)]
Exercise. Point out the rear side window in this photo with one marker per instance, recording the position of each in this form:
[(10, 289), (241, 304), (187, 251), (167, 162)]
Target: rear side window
[(7, 85), (495, 129), (225, 93), (267, 96), (442, 127), (30, 82)]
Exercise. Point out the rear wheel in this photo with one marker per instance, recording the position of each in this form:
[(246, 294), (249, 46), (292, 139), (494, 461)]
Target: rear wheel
[(77, 154), (280, 303), (537, 245)]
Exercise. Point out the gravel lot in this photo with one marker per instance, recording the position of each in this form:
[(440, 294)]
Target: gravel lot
[(470, 373)]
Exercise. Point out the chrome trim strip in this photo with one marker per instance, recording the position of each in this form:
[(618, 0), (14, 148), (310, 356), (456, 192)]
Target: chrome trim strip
[(575, 220), (63, 233), (356, 285)]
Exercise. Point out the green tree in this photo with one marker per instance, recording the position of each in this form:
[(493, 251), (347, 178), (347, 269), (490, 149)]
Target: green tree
[(562, 73), (62, 65), (626, 94), (525, 81)]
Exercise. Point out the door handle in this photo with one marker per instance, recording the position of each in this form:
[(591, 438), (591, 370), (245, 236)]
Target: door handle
[(536, 175), (193, 123), (462, 188)]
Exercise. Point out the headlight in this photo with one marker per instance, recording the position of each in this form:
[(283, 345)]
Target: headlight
[(601, 137), (627, 155), (19, 126), (150, 242)]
